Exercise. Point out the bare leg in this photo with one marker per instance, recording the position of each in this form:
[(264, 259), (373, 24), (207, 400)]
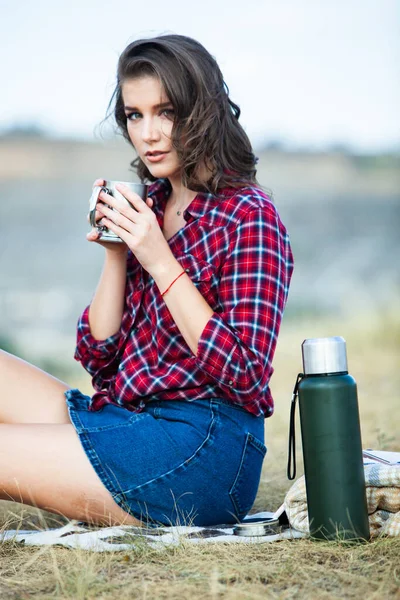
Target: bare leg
[(28, 394), (42, 462), (46, 466)]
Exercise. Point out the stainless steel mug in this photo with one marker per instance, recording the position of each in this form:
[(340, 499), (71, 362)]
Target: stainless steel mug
[(106, 235)]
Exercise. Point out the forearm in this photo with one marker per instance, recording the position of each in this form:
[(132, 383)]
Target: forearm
[(238, 369), (107, 306), (187, 306)]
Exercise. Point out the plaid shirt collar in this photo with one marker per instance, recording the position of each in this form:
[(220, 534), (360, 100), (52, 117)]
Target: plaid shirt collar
[(201, 204)]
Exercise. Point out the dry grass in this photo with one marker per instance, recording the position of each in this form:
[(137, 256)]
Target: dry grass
[(288, 569)]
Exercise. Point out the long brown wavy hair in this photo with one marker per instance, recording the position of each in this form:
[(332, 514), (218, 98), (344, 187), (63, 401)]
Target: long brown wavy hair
[(205, 117)]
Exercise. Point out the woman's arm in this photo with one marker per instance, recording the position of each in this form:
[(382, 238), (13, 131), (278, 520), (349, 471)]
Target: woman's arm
[(99, 333), (99, 326), (236, 346), (107, 306), (187, 306)]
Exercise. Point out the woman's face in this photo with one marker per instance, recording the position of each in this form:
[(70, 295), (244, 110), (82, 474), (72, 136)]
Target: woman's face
[(149, 119)]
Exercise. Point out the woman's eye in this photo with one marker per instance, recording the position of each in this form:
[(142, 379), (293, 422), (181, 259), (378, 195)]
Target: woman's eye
[(169, 113), (133, 116)]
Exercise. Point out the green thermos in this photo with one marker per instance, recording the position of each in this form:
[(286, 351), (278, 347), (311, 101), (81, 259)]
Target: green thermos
[(331, 439)]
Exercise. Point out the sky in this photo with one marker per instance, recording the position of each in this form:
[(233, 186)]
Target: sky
[(312, 73)]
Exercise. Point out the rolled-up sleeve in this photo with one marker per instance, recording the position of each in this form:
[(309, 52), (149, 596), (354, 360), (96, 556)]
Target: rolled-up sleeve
[(238, 343), (96, 355)]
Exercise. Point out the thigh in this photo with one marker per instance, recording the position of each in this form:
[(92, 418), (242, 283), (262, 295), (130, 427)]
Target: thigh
[(28, 394), (44, 465)]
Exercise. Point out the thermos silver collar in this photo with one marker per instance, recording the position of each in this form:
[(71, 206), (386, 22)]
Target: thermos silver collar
[(324, 355)]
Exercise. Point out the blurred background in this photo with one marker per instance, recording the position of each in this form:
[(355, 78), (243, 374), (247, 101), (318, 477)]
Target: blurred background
[(318, 85)]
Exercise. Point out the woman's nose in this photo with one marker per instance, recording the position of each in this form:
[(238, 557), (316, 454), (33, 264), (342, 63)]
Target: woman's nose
[(150, 131)]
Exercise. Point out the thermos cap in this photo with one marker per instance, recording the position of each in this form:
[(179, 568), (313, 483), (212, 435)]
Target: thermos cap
[(324, 355)]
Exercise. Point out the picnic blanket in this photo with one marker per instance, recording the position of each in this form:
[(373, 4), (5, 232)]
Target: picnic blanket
[(383, 499), (102, 539)]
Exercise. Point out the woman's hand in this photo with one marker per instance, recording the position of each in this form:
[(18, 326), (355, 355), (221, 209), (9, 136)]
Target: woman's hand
[(137, 227), (114, 248)]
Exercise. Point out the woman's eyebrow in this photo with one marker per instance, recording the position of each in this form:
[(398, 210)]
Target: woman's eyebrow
[(156, 106)]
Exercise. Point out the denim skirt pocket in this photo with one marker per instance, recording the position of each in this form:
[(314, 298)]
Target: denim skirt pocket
[(244, 489)]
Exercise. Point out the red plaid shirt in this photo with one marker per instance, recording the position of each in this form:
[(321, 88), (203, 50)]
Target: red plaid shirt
[(236, 251)]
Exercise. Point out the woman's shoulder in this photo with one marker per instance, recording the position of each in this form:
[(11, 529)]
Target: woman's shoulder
[(238, 203)]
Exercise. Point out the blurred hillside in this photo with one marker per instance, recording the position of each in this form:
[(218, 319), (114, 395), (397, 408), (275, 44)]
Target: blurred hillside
[(342, 213)]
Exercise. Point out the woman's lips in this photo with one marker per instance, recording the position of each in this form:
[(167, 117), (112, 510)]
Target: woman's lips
[(156, 156)]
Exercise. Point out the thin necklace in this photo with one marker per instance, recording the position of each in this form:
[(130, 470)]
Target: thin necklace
[(179, 212)]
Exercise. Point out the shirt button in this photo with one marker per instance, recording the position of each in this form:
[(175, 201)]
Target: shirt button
[(187, 270), (121, 368), (140, 286), (231, 382)]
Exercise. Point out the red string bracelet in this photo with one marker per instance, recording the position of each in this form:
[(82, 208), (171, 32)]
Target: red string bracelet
[(171, 284)]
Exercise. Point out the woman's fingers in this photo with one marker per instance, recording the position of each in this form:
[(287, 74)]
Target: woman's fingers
[(125, 208), (100, 182), (119, 216), (115, 217), (120, 207), (119, 231), (93, 235), (133, 198), (97, 216)]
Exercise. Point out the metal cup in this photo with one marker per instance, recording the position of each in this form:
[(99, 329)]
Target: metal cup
[(257, 527), (106, 235)]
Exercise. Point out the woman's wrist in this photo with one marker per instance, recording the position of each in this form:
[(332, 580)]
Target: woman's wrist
[(165, 273), (117, 255), (172, 283)]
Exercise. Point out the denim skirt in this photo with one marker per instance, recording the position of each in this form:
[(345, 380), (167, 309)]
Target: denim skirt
[(178, 462)]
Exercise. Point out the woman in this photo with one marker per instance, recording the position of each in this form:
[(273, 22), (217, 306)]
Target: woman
[(182, 329)]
